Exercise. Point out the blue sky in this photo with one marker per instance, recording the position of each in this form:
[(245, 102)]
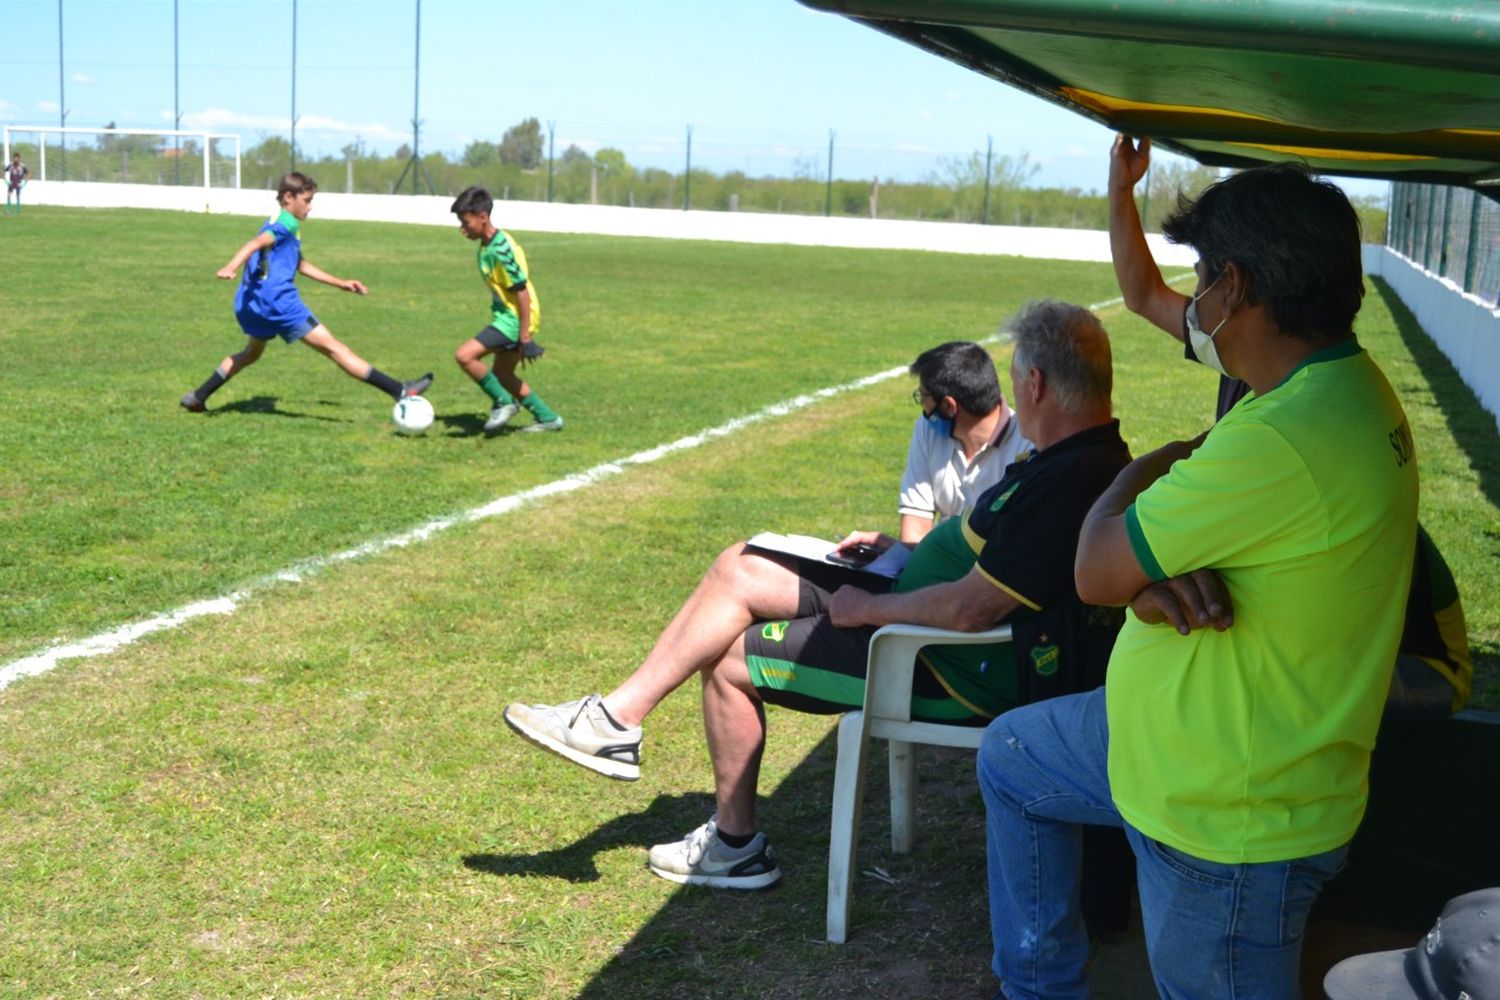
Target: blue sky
[(761, 81)]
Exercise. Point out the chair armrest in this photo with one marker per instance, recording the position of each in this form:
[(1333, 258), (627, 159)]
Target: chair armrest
[(893, 655)]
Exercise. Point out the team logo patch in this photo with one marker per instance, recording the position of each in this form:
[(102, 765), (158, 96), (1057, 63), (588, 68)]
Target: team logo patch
[(999, 501), (1044, 659), (775, 631)]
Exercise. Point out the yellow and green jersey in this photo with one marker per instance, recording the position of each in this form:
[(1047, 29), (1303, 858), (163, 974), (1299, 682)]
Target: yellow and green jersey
[(502, 265), (1253, 744)]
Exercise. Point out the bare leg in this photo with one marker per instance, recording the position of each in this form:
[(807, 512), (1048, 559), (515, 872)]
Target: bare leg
[(470, 357), (236, 363), (735, 722), (505, 371), (740, 588), (336, 351)]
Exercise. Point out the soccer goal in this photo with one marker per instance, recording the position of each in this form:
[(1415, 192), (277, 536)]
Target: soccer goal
[(127, 155)]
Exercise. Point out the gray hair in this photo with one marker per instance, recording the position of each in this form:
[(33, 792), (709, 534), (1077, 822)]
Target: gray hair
[(1068, 343)]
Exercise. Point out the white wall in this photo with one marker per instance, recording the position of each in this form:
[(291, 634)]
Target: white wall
[(539, 217), (1464, 328)]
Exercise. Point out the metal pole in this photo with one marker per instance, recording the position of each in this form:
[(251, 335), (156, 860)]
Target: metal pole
[(551, 148), (176, 106), (294, 84), (1447, 221), (687, 173), (62, 100), (1471, 261), (828, 201), (989, 158), (207, 141), (416, 92)]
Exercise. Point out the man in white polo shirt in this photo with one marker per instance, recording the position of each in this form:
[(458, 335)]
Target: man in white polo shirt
[(963, 440)]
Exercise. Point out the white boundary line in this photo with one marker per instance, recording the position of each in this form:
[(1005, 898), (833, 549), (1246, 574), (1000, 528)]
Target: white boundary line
[(118, 638)]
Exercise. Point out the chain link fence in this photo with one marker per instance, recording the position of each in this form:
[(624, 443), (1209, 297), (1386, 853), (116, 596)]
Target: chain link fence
[(1452, 232)]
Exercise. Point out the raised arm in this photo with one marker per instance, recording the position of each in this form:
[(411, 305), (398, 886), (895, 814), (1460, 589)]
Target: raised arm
[(261, 241), (1146, 294), (1106, 570)]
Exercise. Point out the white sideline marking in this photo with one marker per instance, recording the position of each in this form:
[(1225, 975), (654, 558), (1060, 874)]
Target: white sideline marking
[(118, 638)]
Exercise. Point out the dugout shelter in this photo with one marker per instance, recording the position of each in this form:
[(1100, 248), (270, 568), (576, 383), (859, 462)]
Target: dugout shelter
[(1402, 90)]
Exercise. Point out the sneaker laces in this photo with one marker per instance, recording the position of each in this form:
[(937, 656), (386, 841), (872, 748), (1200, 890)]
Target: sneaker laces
[(695, 843)]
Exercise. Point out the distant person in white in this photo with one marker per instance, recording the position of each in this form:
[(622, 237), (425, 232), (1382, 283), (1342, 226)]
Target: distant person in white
[(963, 440)]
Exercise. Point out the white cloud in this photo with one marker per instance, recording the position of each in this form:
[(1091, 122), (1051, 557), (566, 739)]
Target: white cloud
[(82, 78), (951, 96), (6, 107), (926, 116), (224, 119), (51, 107)]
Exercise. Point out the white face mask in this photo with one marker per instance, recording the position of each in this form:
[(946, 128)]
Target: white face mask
[(1203, 343)]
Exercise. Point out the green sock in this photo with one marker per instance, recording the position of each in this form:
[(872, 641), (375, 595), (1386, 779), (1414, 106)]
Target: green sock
[(539, 409), (492, 388)]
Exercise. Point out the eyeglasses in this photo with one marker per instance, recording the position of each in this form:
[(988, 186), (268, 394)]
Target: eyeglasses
[(917, 394)]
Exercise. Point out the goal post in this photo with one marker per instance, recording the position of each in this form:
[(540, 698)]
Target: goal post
[(177, 157)]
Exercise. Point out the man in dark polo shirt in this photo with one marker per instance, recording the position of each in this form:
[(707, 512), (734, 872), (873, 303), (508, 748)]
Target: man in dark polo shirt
[(761, 629)]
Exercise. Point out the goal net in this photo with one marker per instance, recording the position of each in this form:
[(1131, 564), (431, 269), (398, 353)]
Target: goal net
[(126, 156)]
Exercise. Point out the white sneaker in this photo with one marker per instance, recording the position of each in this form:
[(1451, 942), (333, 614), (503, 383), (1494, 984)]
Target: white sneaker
[(500, 416), (701, 858), (555, 424), (582, 732)]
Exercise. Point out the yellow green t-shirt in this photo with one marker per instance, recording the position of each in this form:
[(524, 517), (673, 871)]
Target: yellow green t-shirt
[(1253, 744), (502, 265)]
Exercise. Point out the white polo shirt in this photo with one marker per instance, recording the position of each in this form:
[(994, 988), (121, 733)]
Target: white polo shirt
[(939, 481)]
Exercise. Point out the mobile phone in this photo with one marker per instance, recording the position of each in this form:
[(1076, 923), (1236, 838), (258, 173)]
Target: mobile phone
[(856, 556)]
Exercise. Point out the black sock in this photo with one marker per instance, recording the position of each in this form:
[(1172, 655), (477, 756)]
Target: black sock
[(384, 382), (210, 387), (730, 840)]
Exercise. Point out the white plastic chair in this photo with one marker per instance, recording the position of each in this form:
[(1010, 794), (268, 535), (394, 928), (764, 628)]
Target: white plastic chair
[(886, 715)]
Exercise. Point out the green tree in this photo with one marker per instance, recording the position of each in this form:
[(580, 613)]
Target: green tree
[(481, 154), (521, 145)]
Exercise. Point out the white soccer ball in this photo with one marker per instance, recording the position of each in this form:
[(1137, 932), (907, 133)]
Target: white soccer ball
[(412, 414)]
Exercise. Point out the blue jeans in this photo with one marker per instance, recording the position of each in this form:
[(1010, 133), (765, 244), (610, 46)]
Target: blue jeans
[(1212, 930)]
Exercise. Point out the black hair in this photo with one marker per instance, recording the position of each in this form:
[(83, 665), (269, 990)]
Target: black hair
[(963, 370), (473, 199), (293, 183), (1295, 237), (1069, 345)]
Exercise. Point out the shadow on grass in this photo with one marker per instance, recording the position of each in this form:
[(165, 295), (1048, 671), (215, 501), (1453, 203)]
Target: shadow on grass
[(1473, 427), (463, 424), (265, 406), (918, 928), (575, 862)]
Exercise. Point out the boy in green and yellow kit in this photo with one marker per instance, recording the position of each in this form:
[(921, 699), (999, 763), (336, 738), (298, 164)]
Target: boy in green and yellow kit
[(516, 315)]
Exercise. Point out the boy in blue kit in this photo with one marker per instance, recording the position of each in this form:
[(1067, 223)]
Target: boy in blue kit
[(516, 313), (268, 306)]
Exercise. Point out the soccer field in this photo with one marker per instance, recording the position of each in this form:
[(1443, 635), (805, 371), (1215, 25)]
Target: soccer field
[(315, 795)]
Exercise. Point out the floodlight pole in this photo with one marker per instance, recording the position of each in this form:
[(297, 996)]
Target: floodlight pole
[(415, 163), (828, 202), (551, 148), (989, 158), (62, 99), (687, 173), (177, 105), (294, 85)]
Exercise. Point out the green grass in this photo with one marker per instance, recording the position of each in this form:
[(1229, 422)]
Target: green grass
[(315, 796)]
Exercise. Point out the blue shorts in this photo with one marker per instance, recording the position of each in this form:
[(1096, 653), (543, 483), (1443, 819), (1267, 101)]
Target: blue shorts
[(289, 328)]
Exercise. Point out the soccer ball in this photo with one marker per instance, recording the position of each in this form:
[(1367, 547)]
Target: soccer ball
[(412, 414)]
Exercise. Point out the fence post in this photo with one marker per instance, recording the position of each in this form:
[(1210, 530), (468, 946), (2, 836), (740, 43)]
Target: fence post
[(1472, 257), (1447, 223), (1427, 228)]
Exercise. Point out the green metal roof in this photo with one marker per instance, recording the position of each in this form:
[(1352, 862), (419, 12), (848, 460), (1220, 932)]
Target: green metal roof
[(1370, 88)]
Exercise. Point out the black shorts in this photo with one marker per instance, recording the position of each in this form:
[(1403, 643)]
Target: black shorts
[(494, 339), (811, 665)]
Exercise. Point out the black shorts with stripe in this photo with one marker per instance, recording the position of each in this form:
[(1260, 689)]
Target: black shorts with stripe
[(810, 665)]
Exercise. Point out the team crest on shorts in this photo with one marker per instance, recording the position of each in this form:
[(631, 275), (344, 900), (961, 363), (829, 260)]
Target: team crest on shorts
[(775, 631)]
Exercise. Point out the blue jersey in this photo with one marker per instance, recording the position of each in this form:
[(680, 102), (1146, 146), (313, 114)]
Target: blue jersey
[(268, 289)]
